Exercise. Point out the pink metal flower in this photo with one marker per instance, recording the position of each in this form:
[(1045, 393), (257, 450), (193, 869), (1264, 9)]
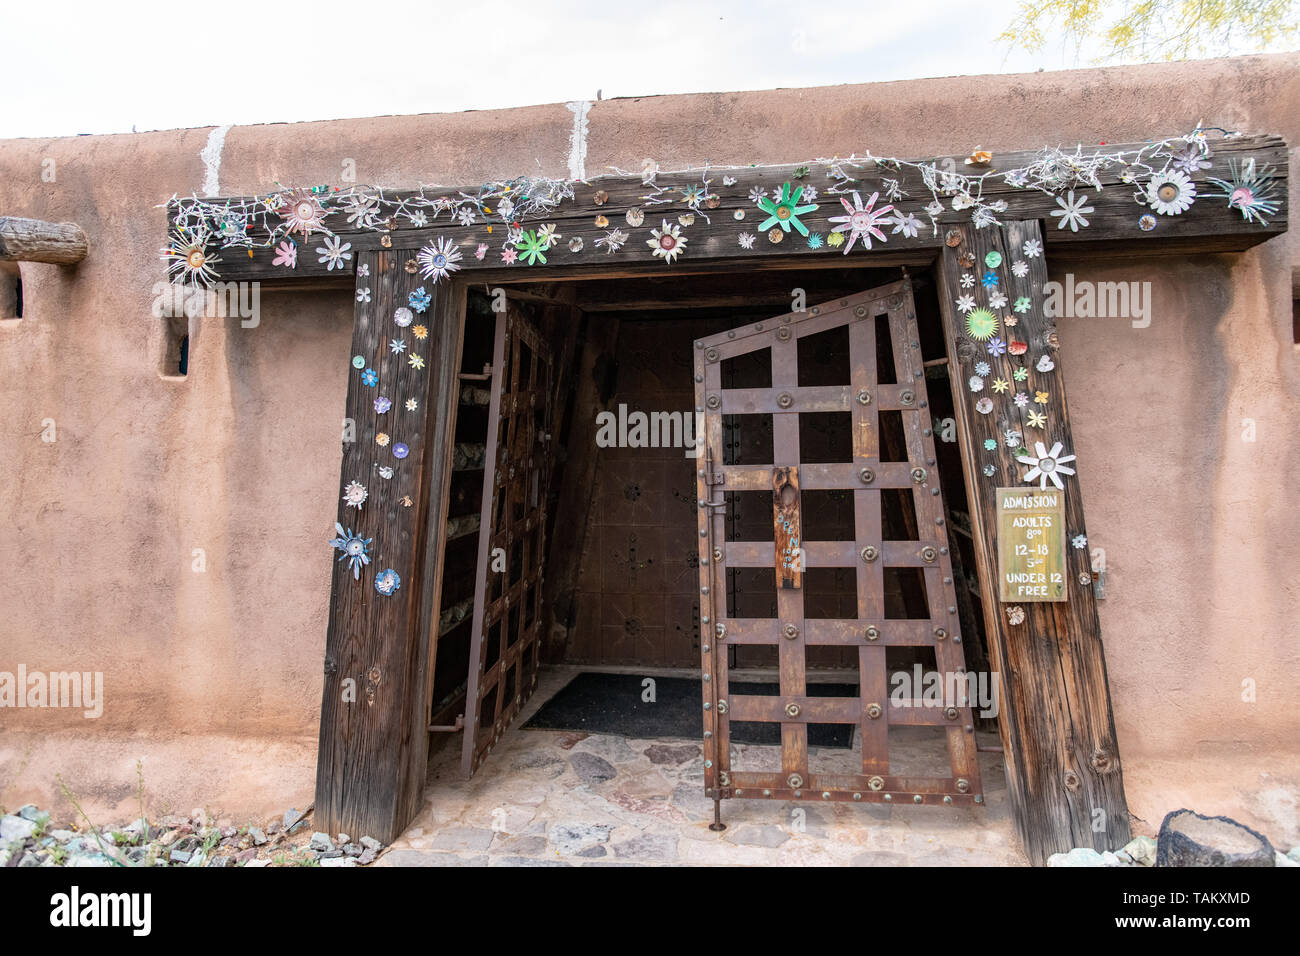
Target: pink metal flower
[(286, 254)]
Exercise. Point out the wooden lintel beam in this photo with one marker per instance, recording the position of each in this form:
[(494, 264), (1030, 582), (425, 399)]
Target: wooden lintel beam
[(713, 233), (34, 240)]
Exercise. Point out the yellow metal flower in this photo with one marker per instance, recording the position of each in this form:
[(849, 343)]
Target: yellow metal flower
[(1040, 398), (1036, 419), (420, 332), (382, 439), (416, 362), (1001, 385)]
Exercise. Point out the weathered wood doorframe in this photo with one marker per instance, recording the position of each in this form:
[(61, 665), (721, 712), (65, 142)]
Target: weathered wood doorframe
[(1056, 721), (374, 782)]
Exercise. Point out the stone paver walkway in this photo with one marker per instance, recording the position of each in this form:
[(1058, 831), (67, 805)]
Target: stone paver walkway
[(549, 798)]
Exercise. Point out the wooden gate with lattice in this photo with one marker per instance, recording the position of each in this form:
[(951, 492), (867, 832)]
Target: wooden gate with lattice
[(512, 546), (867, 409)]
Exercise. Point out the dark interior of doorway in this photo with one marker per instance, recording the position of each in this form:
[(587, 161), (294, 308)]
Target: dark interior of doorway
[(621, 575)]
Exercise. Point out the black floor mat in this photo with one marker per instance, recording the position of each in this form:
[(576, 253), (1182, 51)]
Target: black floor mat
[(598, 703)]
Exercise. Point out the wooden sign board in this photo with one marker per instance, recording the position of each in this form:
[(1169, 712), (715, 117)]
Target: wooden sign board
[(1031, 545)]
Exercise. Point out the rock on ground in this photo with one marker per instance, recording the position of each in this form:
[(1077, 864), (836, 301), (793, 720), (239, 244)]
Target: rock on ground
[(1189, 839)]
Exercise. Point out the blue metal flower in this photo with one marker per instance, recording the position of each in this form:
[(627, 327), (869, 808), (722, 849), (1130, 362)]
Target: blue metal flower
[(370, 377), (387, 581), (353, 547), (419, 299), (990, 279), (997, 347)]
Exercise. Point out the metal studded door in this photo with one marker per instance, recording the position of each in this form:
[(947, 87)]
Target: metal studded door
[(505, 640), (849, 423)]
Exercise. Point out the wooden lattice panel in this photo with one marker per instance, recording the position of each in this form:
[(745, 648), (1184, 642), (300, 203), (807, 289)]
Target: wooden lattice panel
[(512, 547), (791, 632)]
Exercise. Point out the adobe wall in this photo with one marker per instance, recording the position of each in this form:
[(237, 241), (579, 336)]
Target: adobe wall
[(214, 677)]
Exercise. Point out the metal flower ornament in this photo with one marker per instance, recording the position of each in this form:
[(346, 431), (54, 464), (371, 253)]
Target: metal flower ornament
[(1046, 465), (353, 547), (861, 222), (439, 259), (785, 210)]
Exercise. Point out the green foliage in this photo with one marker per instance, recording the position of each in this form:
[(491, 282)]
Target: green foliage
[(1148, 30)]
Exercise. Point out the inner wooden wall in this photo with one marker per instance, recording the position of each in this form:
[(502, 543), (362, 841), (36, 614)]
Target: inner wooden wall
[(636, 600)]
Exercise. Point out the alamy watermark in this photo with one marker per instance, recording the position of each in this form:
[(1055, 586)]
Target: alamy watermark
[(224, 300), (921, 688), (1098, 300), (75, 689), (624, 429)]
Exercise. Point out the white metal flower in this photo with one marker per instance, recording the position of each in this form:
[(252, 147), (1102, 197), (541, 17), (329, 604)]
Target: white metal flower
[(547, 234), (465, 215), (756, 194), (1032, 248), (418, 219), (1015, 615), (1170, 193), (997, 300), (1045, 363), (361, 210), (1073, 212), (363, 295), (439, 259), (334, 253), (906, 223), (613, 240), (976, 383), (668, 241), (1020, 268), (746, 240), (965, 302), (354, 493), (1046, 465), (396, 346), (967, 280), (1079, 541)]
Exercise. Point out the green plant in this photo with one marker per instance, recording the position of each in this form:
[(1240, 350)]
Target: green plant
[(1149, 30)]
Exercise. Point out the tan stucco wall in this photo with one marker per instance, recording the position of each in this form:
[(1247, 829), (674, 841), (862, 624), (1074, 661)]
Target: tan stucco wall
[(214, 678)]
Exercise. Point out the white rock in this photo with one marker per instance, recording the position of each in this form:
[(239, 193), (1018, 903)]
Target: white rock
[(1079, 856), (338, 861), (15, 828), (1142, 849), (1281, 859), (1294, 853), (255, 863)]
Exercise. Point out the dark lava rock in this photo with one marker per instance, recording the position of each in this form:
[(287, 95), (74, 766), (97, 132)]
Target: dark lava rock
[(1189, 839), (592, 769)]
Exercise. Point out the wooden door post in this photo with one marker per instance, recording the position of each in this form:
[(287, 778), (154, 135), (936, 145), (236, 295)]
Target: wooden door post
[(1058, 732), (374, 733)]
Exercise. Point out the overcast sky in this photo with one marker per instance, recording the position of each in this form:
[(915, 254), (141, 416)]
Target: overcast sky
[(107, 68)]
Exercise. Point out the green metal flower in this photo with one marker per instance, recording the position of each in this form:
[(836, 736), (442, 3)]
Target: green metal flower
[(532, 247), (786, 211), (981, 324)]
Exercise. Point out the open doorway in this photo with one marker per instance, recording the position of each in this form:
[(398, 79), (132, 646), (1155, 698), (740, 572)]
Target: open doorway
[(615, 546)]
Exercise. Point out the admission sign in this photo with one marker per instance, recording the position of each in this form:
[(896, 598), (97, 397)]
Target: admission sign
[(1031, 544)]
